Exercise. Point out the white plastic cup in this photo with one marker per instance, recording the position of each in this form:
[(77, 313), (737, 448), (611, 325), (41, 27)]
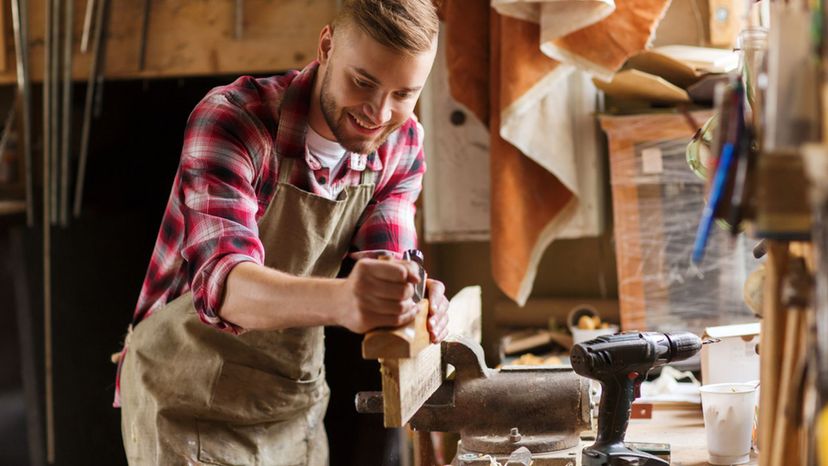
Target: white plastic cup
[(728, 421)]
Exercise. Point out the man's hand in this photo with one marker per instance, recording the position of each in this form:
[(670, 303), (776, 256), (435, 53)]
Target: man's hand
[(378, 293), (438, 306)]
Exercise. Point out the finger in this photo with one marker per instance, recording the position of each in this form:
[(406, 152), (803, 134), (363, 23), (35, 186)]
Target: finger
[(393, 270), (376, 305), (444, 334), (393, 320), (436, 290), (438, 324), (438, 305), (395, 291)]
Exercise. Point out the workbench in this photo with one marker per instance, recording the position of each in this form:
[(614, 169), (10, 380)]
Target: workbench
[(682, 426)]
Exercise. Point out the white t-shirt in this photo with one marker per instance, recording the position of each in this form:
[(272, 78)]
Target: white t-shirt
[(330, 154)]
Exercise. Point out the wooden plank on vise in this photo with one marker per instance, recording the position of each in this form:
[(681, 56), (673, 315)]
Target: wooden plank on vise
[(408, 382), (401, 342)]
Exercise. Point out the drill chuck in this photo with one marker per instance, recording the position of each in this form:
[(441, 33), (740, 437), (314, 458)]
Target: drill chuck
[(685, 345)]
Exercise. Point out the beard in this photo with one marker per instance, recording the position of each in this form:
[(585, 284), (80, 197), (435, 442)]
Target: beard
[(336, 118)]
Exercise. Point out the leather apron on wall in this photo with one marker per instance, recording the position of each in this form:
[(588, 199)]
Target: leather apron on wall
[(191, 394)]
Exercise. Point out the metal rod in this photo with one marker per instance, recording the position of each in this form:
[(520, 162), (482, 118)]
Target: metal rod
[(54, 110), (47, 240), (47, 95), (7, 124), (87, 25), (100, 8), (21, 48), (66, 124), (142, 46)]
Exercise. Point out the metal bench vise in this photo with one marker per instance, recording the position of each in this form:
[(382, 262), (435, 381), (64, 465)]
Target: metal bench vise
[(511, 416)]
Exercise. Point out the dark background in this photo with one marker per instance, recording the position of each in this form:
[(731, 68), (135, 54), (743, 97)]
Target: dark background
[(98, 265)]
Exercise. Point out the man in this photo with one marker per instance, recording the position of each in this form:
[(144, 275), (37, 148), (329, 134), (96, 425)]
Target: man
[(280, 180)]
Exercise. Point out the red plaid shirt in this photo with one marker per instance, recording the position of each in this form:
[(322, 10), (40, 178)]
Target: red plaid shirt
[(233, 145)]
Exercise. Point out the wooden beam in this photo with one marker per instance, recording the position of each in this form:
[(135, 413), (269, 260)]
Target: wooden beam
[(408, 382), (191, 39)]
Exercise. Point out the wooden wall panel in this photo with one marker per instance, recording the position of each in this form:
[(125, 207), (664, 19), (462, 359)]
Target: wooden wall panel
[(187, 37)]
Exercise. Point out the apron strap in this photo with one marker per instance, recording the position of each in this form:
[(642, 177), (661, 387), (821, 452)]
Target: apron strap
[(285, 169), (368, 176)]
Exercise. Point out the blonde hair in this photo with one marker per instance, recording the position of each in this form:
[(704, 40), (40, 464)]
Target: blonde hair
[(405, 25)]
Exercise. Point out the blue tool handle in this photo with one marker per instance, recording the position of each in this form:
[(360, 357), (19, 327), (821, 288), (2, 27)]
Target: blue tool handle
[(716, 191)]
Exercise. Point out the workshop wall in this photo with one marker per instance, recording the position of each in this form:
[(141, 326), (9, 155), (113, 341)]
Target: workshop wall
[(579, 268)]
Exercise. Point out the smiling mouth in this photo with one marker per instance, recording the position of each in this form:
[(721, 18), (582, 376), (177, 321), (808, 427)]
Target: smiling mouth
[(363, 125)]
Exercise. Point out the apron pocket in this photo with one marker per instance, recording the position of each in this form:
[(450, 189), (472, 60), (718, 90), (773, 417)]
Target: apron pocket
[(281, 443), (246, 395)]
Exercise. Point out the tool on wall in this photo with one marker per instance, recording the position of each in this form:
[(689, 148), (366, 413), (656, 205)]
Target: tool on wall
[(620, 363), (729, 150)]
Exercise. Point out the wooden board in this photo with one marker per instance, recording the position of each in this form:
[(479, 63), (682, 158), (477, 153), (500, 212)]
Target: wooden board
[(188, 38), (408, 382), (402, 342)]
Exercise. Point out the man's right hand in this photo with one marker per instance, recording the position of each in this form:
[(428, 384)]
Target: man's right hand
[(378, 293)]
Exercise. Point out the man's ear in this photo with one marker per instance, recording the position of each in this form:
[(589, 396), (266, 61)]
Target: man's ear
[(323, 52)]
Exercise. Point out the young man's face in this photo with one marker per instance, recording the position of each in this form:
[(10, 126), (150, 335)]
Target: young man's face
[(367, 90)]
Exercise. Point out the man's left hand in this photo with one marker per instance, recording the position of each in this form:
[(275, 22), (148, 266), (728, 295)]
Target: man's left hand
[(438, 306)]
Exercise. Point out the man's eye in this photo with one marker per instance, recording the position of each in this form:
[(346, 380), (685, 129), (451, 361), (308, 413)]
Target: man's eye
[(362, 84), (404, 95)]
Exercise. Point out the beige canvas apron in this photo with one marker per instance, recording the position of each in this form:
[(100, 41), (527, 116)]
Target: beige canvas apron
[(191, 394)]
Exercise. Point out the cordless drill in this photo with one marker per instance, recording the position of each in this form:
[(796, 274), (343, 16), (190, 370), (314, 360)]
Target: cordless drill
[(620, 363)]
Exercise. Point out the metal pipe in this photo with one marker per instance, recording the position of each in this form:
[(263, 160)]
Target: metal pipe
[(100, 13), (21, 48), (54, 110), (47, 242), (7, 124), (47, 97), (87, 25), (66, 124)]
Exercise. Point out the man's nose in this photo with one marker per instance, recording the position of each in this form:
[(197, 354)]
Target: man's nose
[(379, 110)]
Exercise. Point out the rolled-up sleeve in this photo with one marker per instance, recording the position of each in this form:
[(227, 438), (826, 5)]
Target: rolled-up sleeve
[(220, 161), (388, 222)]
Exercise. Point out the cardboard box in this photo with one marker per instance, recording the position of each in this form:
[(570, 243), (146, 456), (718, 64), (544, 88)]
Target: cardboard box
[(734, 358)]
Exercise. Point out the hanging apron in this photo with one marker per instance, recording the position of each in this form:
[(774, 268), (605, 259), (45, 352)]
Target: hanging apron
[(191, 394)]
